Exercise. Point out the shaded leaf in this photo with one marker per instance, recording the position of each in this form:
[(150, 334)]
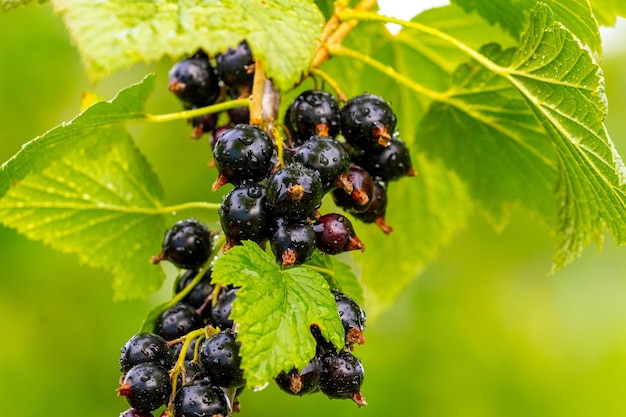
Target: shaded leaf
[(281, 33), (339, 275), (274, 309)]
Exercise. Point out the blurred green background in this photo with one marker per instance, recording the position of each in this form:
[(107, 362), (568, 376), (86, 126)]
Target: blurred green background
[(484, 332)]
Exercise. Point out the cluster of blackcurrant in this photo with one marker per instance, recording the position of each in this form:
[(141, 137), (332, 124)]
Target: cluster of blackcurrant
[(198, 82), (190, 361)]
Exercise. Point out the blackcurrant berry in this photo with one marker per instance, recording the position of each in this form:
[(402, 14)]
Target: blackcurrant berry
[(334, 234), (201, 399), (146, 386), (295, 192), (352, 318), (222, 309), (367, 122), (202, 124), (377, 209), (244, 215), (329, 158), (194, 81), (389, 163), (342, 377), (236, 68), (303, 382), (145, 347), (239, 115), (292, 241), (187, 245), (360, 198), (243, 153), (177, 321), (131, 412), (199, 295), (314, 112), (220, 359)]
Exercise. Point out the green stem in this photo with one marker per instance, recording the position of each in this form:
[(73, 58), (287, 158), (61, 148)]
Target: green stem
[(387, 70), (189, 206), (363, 15), (186, 114)]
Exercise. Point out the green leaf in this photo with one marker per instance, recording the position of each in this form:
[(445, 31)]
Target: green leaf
[(82, 132), (101, 203), (281, 33), (606, 11), (339, 275), (13, 4), (513, 15), (274, 310)]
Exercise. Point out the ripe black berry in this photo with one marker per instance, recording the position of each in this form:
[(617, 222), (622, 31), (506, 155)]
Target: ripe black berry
[(295, 192), (198, 296), (244, 214), (334, 234), (329, 158), (131, 412), (360, 198), (194, 81), (187, 245), (145, 347), (201, 399), (352, 318), (236, 68), (220, 359), (243, 153), (293, 241), (342, 376), (222, 309), (377, 209), (314, 112), (146, 386), (177, 321), (202, 124), (303, 382), (367, 122), (389, 163), (239, 115)]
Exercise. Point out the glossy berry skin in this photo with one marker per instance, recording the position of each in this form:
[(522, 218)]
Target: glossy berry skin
[(146, 386), (294, 192), (201, 399), (367, 122), (177, 321), (242, 154), (293, 241), (244, 215), (145, 347), (390, 163), (352, 318), (313, 113), (235, 67), (222, 309), (219, 356), (194, 81), (131, 412), (187, 244), (361, 196), (342, 376), (328, 157), (334, 234), (303, 382), (197, 297), (376, 211)]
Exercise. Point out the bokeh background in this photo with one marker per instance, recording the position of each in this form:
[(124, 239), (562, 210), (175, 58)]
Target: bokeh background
[(485, 331)]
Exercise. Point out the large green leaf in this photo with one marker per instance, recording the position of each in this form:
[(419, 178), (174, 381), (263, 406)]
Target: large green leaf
[(99, 202), (274, 310), (12, 4), (117, 34), (513, 15), (606, 11)]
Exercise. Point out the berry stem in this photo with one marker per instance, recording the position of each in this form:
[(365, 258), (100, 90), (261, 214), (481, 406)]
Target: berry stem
[(258, 85), (186, 114), (338, 50), (330, 81)]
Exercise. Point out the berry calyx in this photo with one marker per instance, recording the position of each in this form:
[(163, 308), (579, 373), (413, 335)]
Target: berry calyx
[(367, 122), (313, 113), (360, 198), (295, 192), (292, 242), (334, 234), (352, 318), (194, 81), (303, 382), (187, 245), (377, 209), (242, 154), (146, 386)]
